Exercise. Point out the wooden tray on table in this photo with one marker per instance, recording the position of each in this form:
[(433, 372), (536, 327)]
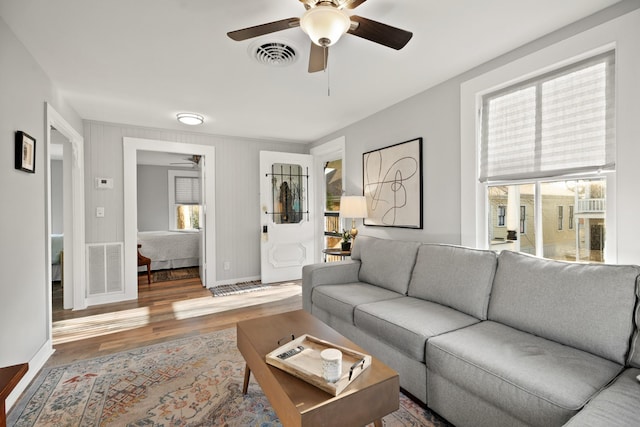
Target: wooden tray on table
[(307, 365)]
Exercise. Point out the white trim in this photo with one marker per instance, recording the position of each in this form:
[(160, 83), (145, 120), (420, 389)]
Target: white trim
[(74, 283), (36, 363), (130, 148), (330, 150)]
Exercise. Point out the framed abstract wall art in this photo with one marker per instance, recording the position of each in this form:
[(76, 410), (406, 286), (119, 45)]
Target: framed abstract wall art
[(392, 183), (25, 152)]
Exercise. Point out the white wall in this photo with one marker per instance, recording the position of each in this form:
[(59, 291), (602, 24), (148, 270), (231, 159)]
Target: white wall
[(435, 116), (237, 189), (24, 307)]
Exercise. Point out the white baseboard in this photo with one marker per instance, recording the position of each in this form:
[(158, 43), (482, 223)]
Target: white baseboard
[(35, 365), (237, 280)]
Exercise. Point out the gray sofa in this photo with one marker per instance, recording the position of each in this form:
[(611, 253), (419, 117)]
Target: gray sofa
[(488, 339)]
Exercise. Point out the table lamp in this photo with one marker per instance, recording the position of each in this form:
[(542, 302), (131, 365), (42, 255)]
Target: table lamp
[(353, 207)]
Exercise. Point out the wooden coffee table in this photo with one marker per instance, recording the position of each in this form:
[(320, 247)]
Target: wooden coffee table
[(371, 396)]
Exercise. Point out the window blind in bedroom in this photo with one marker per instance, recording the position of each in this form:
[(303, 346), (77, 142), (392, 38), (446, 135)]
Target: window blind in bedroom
[(187, 190), (559, 123)]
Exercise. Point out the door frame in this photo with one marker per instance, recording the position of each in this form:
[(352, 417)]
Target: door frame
[(130, 148), (75, 273), (321, 154)]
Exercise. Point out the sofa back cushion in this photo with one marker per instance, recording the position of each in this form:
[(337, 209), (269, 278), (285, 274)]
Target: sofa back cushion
[(385, 263), (585, 306), (634, 354), (454, 276)]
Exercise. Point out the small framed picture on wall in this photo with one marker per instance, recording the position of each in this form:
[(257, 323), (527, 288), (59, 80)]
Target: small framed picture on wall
[(25, 152)]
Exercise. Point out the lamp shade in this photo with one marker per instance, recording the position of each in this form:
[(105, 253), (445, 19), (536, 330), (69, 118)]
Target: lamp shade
[(325, 24), (353, 207)]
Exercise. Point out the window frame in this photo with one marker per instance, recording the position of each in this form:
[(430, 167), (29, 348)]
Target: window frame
[(172, 206)]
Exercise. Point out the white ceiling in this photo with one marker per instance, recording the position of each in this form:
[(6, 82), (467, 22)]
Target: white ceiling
[(140, 62)]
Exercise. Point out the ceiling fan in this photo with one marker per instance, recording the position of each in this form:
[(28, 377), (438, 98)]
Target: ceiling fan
[(193, 161), (325, 21)]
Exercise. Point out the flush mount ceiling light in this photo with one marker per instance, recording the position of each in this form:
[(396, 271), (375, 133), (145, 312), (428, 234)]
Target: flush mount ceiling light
[(190, 119), (325, 24)]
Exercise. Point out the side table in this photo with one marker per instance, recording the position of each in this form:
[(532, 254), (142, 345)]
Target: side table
[(335, 252)]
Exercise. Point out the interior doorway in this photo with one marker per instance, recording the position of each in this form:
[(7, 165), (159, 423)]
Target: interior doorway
[(64, 142), (170, 220), (131, 148)]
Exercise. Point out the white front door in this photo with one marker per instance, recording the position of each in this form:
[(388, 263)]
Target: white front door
[(287, 215)]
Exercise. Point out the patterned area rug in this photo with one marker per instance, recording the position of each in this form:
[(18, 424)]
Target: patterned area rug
[(174, 274), (193, 381), (238, 288)]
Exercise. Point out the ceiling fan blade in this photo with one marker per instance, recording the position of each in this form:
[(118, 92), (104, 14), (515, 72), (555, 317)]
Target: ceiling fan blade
[(351, 4), (260, 30), (318, 57), (378, 32)]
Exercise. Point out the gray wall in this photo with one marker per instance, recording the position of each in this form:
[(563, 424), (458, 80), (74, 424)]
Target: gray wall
[(435, 116), (153, 197), (24, 319), (237, 213)]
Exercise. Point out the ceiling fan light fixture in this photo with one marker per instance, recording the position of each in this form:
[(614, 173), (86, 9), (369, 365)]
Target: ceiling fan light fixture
[(325, 24), (191, 119)]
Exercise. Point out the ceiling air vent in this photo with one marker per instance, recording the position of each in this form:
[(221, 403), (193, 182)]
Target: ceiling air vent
[(275, 54)]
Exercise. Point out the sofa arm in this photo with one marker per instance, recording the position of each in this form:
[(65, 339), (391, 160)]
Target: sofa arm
[(327, 273)]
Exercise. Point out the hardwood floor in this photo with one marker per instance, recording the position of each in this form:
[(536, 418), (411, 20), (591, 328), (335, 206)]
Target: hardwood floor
[(163, 311)]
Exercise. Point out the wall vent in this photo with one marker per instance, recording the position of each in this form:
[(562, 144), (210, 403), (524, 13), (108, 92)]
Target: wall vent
[(105, 273)]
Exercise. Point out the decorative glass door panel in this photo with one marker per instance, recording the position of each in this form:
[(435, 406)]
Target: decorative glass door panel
[(289, 183)]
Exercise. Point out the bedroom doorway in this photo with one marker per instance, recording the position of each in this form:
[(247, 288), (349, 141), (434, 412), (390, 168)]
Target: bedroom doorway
[(63, 139), (60, 176), (170, 221), (132, 148)]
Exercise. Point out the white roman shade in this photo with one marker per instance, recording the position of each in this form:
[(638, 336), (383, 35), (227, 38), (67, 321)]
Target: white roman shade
[(556, 124), (187, 190)]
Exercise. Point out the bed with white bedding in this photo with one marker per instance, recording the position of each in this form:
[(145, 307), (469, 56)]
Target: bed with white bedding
[(170, 249)]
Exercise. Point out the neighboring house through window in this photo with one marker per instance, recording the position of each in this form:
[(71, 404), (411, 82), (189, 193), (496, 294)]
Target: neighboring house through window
[(502, 214)]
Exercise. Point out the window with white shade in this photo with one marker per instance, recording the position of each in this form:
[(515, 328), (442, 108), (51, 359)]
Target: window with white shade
[(184, 200), (538, 139)]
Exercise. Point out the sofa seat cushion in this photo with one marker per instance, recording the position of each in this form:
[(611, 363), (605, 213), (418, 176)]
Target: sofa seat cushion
[(616, 406), (407, 323), (538, 381), (341, 300)]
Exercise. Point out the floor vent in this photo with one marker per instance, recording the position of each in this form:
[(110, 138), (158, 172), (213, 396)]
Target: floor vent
[(104, 268)]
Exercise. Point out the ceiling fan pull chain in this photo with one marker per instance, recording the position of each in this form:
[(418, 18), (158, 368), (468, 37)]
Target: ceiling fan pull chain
[(326, 69)]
